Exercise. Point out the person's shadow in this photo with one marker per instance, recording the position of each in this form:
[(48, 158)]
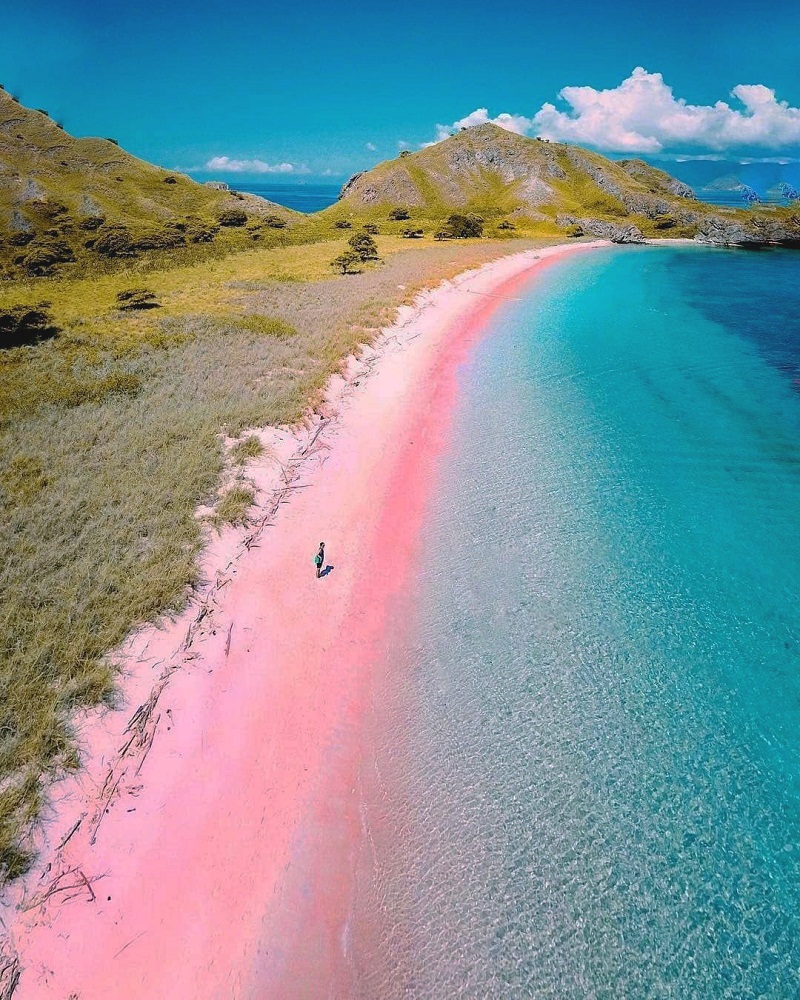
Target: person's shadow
[(328, 569)]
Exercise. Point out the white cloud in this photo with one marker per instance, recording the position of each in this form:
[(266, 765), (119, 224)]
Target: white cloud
[(402, 144), (514, 123), (228, 165), (371, 146), (642, 115)]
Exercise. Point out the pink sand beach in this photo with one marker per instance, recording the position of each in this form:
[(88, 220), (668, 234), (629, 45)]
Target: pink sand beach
[(208, 848)]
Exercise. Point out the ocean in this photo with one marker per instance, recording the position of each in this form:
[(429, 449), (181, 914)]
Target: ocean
[(300, 197), (586, 771)]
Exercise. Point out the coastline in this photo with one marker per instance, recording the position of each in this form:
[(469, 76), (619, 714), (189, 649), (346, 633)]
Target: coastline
[(206, 860)]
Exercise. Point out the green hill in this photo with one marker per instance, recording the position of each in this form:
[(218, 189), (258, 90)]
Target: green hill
[(67, 201), (536, 184)]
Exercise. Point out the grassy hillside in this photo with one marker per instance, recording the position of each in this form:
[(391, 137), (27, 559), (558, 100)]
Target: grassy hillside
[(72, 205), (541, 187)]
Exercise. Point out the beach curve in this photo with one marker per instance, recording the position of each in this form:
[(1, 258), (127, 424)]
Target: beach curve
[(208, 848)]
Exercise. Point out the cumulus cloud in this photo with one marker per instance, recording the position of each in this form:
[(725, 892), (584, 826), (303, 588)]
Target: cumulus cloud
[(514, 123), (371, 146), (232, 166), (642, 115)]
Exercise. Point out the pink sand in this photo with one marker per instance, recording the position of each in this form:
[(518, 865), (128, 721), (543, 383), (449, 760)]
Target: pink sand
[(227, 861)]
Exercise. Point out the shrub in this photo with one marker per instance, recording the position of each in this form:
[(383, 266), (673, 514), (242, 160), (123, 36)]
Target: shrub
[(505, 224), (406, 152), (463, 227), (342, 224), (371, 228), (412, 234), (574, 231), (275, 221), (170, 180), (20, 239), (399, 214), (347, 263), (167, 237), (114, 241), (364, 245), (91, 222), (232, 217), (137, 298), (116, 143), (44, 254), (198, 231), (21, 325), (443, 234)]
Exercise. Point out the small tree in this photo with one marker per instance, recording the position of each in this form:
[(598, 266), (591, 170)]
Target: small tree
[(364, 246), (399, 214), (443, 233), (347, 263)]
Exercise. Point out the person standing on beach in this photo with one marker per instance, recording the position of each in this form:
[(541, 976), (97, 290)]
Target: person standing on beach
[(319, 559)]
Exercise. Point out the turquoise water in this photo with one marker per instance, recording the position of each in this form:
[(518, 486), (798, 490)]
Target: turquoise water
[(587, 774)]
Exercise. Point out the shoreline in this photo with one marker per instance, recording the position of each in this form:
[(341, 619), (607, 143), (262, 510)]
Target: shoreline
[(207, 848)]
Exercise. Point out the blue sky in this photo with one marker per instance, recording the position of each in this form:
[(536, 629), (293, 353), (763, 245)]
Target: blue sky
[(301, 89)]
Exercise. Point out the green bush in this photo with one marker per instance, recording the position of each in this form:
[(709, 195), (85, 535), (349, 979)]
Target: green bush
[(91, 222), (232, 217), (113, 241), (463, 227), (275, 221), (399, 214), (21, 238), (342, 224), (505, 224), (44, 254), (198, 231), (371, 228), (166, 237), (413, 234)]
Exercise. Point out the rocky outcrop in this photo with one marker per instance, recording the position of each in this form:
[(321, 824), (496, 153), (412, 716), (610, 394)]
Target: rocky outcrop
[(613, 231), (350, 184), (756, 231)]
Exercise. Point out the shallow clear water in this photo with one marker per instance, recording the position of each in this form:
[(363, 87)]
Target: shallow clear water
[(587, 774)]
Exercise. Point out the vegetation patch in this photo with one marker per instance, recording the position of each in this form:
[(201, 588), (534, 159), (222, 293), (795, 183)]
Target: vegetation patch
[(21, 325), (243, 451), (136, 298), (234, 505)]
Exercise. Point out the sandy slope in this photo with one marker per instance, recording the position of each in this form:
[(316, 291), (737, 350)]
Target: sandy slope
[(217, 833)]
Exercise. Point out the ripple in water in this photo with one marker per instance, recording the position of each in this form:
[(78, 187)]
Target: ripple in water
[(586, 770)]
